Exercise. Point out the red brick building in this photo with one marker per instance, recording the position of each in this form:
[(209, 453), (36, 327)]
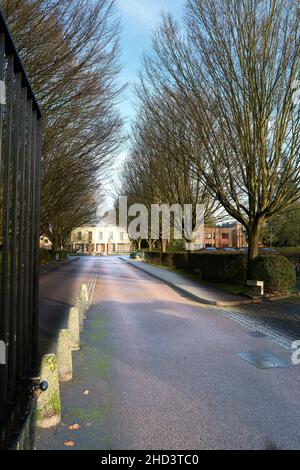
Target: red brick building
[(224, 236)]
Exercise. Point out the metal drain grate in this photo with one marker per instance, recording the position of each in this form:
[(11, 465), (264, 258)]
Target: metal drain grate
[(256, 334), (264, 360)]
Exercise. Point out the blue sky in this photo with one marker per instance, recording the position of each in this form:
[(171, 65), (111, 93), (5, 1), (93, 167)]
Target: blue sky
[(140, 18)]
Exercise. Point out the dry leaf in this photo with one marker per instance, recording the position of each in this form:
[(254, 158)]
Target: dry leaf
[(69, 443), (86, 392), (73, 427), (88, 425)]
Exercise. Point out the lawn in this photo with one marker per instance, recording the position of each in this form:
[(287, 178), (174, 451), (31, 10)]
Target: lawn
[(288, 250)]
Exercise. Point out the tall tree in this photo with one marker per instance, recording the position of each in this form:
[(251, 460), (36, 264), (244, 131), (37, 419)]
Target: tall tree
[(233, 70), (70, 50)]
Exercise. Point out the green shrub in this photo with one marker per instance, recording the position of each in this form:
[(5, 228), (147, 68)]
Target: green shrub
[(152, 257), (219, 267), (180, 260), (63, 254), (167, 259), (277, 272), (45, 256)]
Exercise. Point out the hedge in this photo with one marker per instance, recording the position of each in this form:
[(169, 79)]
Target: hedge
[(277, 272), (153, 257), (45, 256), (219, 267), (63, 254)]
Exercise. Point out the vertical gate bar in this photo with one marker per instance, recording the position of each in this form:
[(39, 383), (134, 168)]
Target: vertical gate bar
[(32, 239), (2, 84), (21, 270), (2, 299), (36, 269), (20, 149), (6, 225), (27, 197), (14, 242)]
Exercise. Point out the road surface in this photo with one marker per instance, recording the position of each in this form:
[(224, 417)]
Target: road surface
[(159, 371)]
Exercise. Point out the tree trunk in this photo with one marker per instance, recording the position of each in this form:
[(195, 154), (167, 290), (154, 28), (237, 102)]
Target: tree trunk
[(163, 246), (253, 241), (150, 245), (139, 243)]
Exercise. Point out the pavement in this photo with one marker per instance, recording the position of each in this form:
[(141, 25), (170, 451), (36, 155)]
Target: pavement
[(157, 370), (200, 293)]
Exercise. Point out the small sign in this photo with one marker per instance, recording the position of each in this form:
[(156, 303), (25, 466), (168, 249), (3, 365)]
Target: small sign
[(258, 285)]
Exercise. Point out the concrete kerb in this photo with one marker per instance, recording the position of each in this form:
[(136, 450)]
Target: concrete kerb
[(48, 412), (64, 356), (186, 293)]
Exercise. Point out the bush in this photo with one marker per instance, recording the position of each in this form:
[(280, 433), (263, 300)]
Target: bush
[(277, 272), (180, 260), (219, 267), (45, 256), (152, 257), (63, 254), (167, 259)]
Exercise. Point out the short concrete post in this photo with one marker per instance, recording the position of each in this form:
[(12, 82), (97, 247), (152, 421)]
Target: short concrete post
[(78, 305), (73, 327), (84, 300), (48, 403), (64, 356)]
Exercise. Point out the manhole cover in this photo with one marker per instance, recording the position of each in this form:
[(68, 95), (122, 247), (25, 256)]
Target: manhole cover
[(264, 360), (256, 334)]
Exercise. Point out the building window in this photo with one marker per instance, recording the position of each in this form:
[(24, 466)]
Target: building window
[(208, 235), (111, 235), (90, 236), (225, 236), (79, 236), (122, 236), (100, 236)]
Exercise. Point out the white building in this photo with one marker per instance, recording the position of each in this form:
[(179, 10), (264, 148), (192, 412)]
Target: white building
[(101, 239)]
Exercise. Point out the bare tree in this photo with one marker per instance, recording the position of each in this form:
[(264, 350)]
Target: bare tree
[(233, 71), (71, 51)]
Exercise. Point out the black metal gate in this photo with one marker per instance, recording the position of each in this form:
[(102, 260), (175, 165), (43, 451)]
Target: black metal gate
[(20, 155)]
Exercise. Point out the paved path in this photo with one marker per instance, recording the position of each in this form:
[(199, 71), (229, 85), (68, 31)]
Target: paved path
[(201, 293), (159, 371)]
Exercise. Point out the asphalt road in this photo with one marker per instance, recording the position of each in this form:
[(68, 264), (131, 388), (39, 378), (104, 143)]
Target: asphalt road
[(159, 371), (58, 286)]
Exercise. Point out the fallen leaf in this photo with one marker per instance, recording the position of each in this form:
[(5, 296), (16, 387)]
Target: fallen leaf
[(69, 443), (88, 425), (73, 427), (86, 392)]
